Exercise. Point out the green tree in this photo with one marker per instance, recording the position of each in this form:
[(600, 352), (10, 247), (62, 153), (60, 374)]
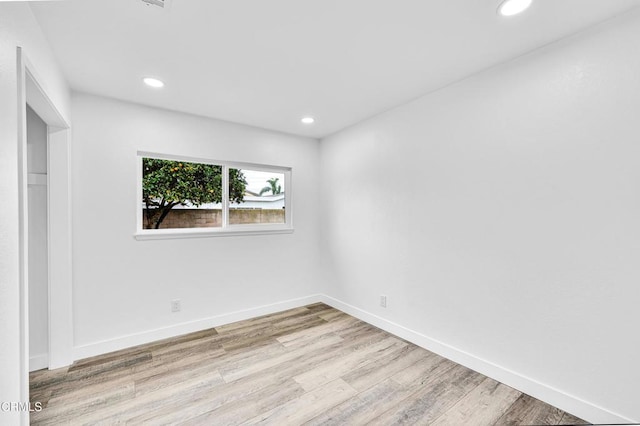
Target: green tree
[(274, 187), (168, 183)]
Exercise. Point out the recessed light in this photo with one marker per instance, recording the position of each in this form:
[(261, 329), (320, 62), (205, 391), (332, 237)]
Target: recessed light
[(308, 120), (153, 82), (513, 7)]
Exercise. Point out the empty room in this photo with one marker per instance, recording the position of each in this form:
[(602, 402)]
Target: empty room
[(287, 212)]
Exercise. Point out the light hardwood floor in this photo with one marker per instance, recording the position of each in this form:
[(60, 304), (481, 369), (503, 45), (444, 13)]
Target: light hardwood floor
[(311, 365)]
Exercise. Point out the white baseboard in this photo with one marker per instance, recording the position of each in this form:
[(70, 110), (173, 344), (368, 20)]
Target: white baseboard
[(123, 342), (566, 402), (38, 362)]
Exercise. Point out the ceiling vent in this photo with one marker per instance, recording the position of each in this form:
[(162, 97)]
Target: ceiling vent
[(159, 3)]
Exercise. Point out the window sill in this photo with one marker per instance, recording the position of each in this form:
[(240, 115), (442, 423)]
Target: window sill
[(164, 234)]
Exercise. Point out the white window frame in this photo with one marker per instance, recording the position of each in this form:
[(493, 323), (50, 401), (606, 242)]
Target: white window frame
[(226, 229)]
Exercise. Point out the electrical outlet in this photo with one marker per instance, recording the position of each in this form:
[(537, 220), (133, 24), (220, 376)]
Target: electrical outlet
[(383, 300), (175, 305)]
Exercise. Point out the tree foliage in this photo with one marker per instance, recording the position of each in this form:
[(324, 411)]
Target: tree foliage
[(274, 187), (168, 183)]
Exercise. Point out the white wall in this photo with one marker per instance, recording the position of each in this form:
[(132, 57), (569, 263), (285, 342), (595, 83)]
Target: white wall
[(18, 27), (38, 246), (123, 287), (36, 143), (522, 241)]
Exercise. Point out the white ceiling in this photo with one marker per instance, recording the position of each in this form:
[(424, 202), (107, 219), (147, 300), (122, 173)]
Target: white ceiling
[(267, 63)]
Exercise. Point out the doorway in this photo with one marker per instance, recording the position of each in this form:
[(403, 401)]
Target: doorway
[(38, 263), (44, 181)]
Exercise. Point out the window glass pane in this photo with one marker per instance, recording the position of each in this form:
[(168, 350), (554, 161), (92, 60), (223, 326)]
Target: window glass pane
[(262, 199), (179, 194)]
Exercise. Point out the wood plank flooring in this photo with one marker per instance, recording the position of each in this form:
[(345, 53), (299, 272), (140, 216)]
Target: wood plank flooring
[(312, 365)]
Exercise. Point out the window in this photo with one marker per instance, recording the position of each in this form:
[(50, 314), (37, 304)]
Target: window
[(264, 197), (186, 197)]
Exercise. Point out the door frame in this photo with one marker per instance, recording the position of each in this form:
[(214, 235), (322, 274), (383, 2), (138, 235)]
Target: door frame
[(31, 91)]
